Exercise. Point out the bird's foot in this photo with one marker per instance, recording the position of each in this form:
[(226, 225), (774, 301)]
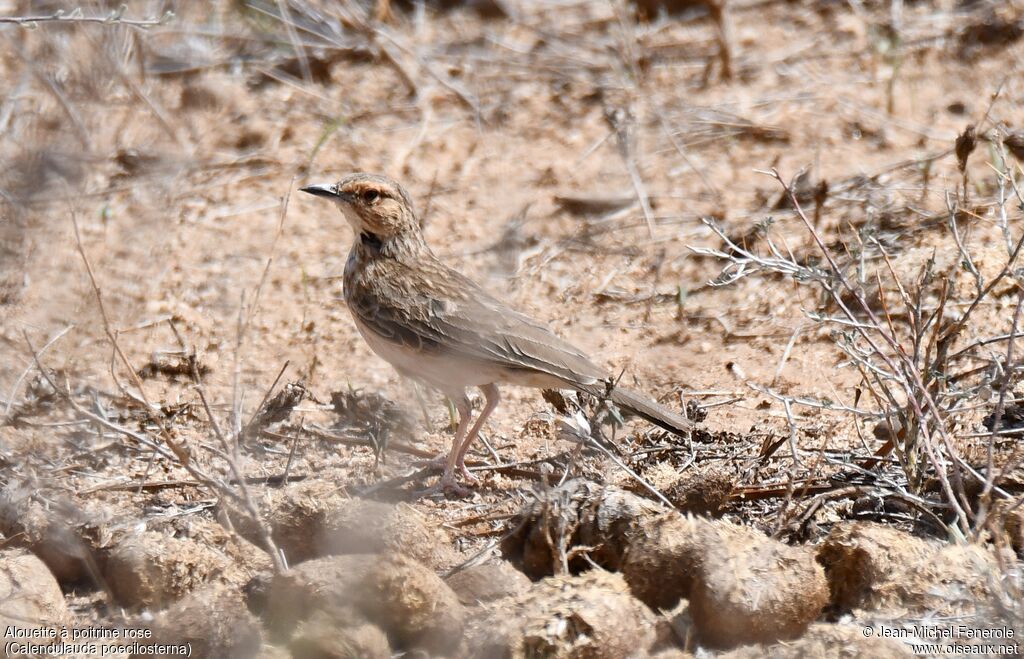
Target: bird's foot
[(448, 485), (469, 476), (439, 461)]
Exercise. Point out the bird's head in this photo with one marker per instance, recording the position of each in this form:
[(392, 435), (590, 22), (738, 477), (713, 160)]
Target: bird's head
[(374, 205)]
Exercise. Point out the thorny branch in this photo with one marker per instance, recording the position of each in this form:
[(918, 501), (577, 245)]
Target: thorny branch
[(870, 339)]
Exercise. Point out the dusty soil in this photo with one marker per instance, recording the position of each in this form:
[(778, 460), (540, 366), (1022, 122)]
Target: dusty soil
[(175, 354)]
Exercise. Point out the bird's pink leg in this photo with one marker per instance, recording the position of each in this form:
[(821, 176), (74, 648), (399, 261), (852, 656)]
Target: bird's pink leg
[(491, 398), (448, 482)]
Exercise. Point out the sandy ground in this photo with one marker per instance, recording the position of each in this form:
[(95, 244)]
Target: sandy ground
[(179, 151)]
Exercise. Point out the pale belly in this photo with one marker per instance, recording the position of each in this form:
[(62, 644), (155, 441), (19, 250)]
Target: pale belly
[(451, 374)]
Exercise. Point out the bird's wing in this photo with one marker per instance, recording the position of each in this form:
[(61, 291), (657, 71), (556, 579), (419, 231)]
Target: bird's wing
[(433, 308)]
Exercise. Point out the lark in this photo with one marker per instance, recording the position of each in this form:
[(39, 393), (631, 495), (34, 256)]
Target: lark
[(437, 326)]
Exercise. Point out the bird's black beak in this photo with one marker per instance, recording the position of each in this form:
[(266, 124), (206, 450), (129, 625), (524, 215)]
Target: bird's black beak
[(322, 190)]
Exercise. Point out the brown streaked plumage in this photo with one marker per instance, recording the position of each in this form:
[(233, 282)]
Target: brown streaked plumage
[(438, 326)]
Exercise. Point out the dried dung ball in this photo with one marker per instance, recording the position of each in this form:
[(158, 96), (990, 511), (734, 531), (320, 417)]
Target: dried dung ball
[(701, 491), (410, 603), (152, 569), (413, 604), (662, 559), (243, 554), (578, 513), (488, 582), (294, 510), (825, 641), (321, 637), (591, 615), (872, 567), (30, 597), (53, 533), (752, 589), (313, 519), (743, 587), (363, 527), (213, 621), (322, 584), (294, 515)]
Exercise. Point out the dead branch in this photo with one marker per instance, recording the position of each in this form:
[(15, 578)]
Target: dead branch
[(76, 15)]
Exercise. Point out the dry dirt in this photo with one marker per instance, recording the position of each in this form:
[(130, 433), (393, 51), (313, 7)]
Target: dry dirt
[(167, 296)]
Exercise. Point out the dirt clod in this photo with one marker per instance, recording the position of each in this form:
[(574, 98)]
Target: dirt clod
[(579, 513), (213, 621), (29, 595), (53, 533), (310, 520), (322, 637), (750, 588), (591, 615), (488, 582), (661, 563), (153, 569), (702, 492), (872, 567), (409, 602), (743, 587)]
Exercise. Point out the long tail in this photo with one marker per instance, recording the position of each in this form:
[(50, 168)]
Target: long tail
[(643, 406)]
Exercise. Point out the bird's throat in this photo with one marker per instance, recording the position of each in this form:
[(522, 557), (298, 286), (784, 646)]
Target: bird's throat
[(371, 241), (402, 247)]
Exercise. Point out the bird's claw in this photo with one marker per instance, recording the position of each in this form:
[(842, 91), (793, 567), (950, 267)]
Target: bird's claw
[(441, 462), (447, 485), (437, 462), (469, 476)]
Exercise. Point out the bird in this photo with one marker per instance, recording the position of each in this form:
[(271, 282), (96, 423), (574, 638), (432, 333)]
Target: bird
[(436, 325)]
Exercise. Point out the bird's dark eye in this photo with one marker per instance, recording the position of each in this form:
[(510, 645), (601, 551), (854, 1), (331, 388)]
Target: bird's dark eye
[(371, 196)]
